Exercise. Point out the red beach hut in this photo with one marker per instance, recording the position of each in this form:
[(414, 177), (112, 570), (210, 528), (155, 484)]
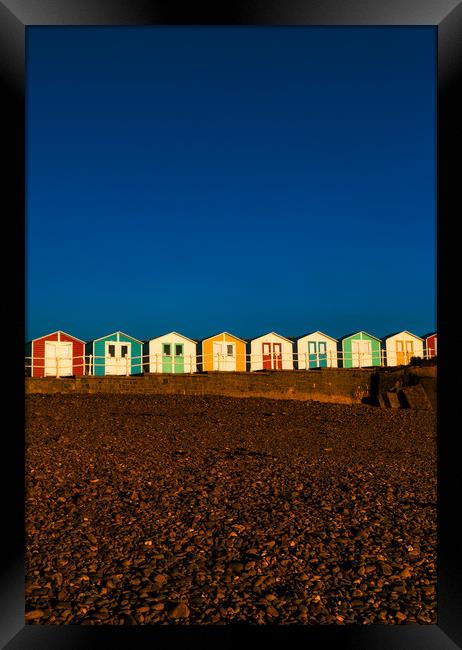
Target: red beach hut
[(431, 341), (55, 355)]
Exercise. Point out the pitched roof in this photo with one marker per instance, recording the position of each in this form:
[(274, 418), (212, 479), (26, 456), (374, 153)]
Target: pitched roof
[(112, 333), (317, 332), (275, 334), (347, 336), (168, 334), (387, 336), (228, 333), (56, 332)]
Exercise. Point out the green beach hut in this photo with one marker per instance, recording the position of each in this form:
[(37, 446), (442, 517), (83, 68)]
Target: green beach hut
[(360, 350)]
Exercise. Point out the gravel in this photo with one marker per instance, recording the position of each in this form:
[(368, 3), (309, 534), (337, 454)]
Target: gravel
[(184, 510)]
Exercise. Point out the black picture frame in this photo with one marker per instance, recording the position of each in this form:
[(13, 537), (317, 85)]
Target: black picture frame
[(15, 17)]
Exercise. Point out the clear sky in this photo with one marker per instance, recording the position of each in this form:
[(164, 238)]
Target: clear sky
[(247, 179)]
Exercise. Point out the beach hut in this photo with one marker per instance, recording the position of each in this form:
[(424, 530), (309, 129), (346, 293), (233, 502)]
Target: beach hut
[(271, 352), (360, 350), (316, 350), (400, 347), (115, 354), (223, 352), (431, 347), (171, 353), (55, 355)]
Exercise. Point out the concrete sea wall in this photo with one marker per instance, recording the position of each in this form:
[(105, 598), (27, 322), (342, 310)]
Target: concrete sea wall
[(335, 385), (326, 385)]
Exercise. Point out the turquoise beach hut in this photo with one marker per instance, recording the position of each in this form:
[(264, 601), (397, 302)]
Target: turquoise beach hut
[(115, 354)]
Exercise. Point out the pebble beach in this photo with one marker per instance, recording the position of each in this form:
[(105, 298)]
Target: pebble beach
[(185, 510)]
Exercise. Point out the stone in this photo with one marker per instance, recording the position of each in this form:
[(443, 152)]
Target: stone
[(34, 614), (393, 400), (415, 397), (160, 579), (179, 611), (272, 611)]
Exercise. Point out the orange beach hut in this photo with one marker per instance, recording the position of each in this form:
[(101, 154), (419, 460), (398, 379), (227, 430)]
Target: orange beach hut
[(223, 352)]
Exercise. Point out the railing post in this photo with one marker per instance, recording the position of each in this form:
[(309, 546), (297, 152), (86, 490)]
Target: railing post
[(57, 367)]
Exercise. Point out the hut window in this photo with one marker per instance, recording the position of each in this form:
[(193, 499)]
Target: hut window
[(111, 350), (123, 350), (230, 350), (178, 350), (167, 349)]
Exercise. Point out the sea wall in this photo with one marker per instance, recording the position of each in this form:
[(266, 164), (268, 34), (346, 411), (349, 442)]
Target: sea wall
[(335, 385), (323, 385)]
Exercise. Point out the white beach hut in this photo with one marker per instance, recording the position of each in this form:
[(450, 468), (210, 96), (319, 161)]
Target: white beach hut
[(316, 350), (271, 352), (171, 353), (400, 347)]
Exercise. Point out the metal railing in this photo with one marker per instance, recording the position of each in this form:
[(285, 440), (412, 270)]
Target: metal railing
[(190, 364)]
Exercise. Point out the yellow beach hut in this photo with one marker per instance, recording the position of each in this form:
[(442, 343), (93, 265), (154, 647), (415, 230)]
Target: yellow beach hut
[(223, 352)]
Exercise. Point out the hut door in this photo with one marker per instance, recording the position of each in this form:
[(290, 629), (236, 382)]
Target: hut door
[(167, 357), (217, 356), (58, 359), (322, 351), (409, 351), (179, 357), (230, 356), (277, 356), (266, 356), (312, 354), (224, 355), (117, 358), (399, 353), (361, 353)]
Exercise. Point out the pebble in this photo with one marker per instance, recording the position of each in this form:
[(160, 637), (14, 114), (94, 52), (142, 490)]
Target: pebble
[(272, 611), (248, 524), (34, 614), (180, 611)]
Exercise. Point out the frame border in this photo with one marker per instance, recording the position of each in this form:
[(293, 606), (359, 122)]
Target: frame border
[(446, 17)]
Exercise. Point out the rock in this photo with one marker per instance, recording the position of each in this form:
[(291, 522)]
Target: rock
[(160, 579), (272, 611), (393, 400), (34, 614), (179, 611), (415, 397)]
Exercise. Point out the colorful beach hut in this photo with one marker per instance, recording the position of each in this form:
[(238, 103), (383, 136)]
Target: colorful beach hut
[(400, 347), (360, 350), (223, 351), (271, 352), (171, 353), (316, 350), (55, 355), (115, 354), (431, 345)]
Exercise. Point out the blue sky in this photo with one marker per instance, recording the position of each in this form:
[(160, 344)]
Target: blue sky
[(230, 178)]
